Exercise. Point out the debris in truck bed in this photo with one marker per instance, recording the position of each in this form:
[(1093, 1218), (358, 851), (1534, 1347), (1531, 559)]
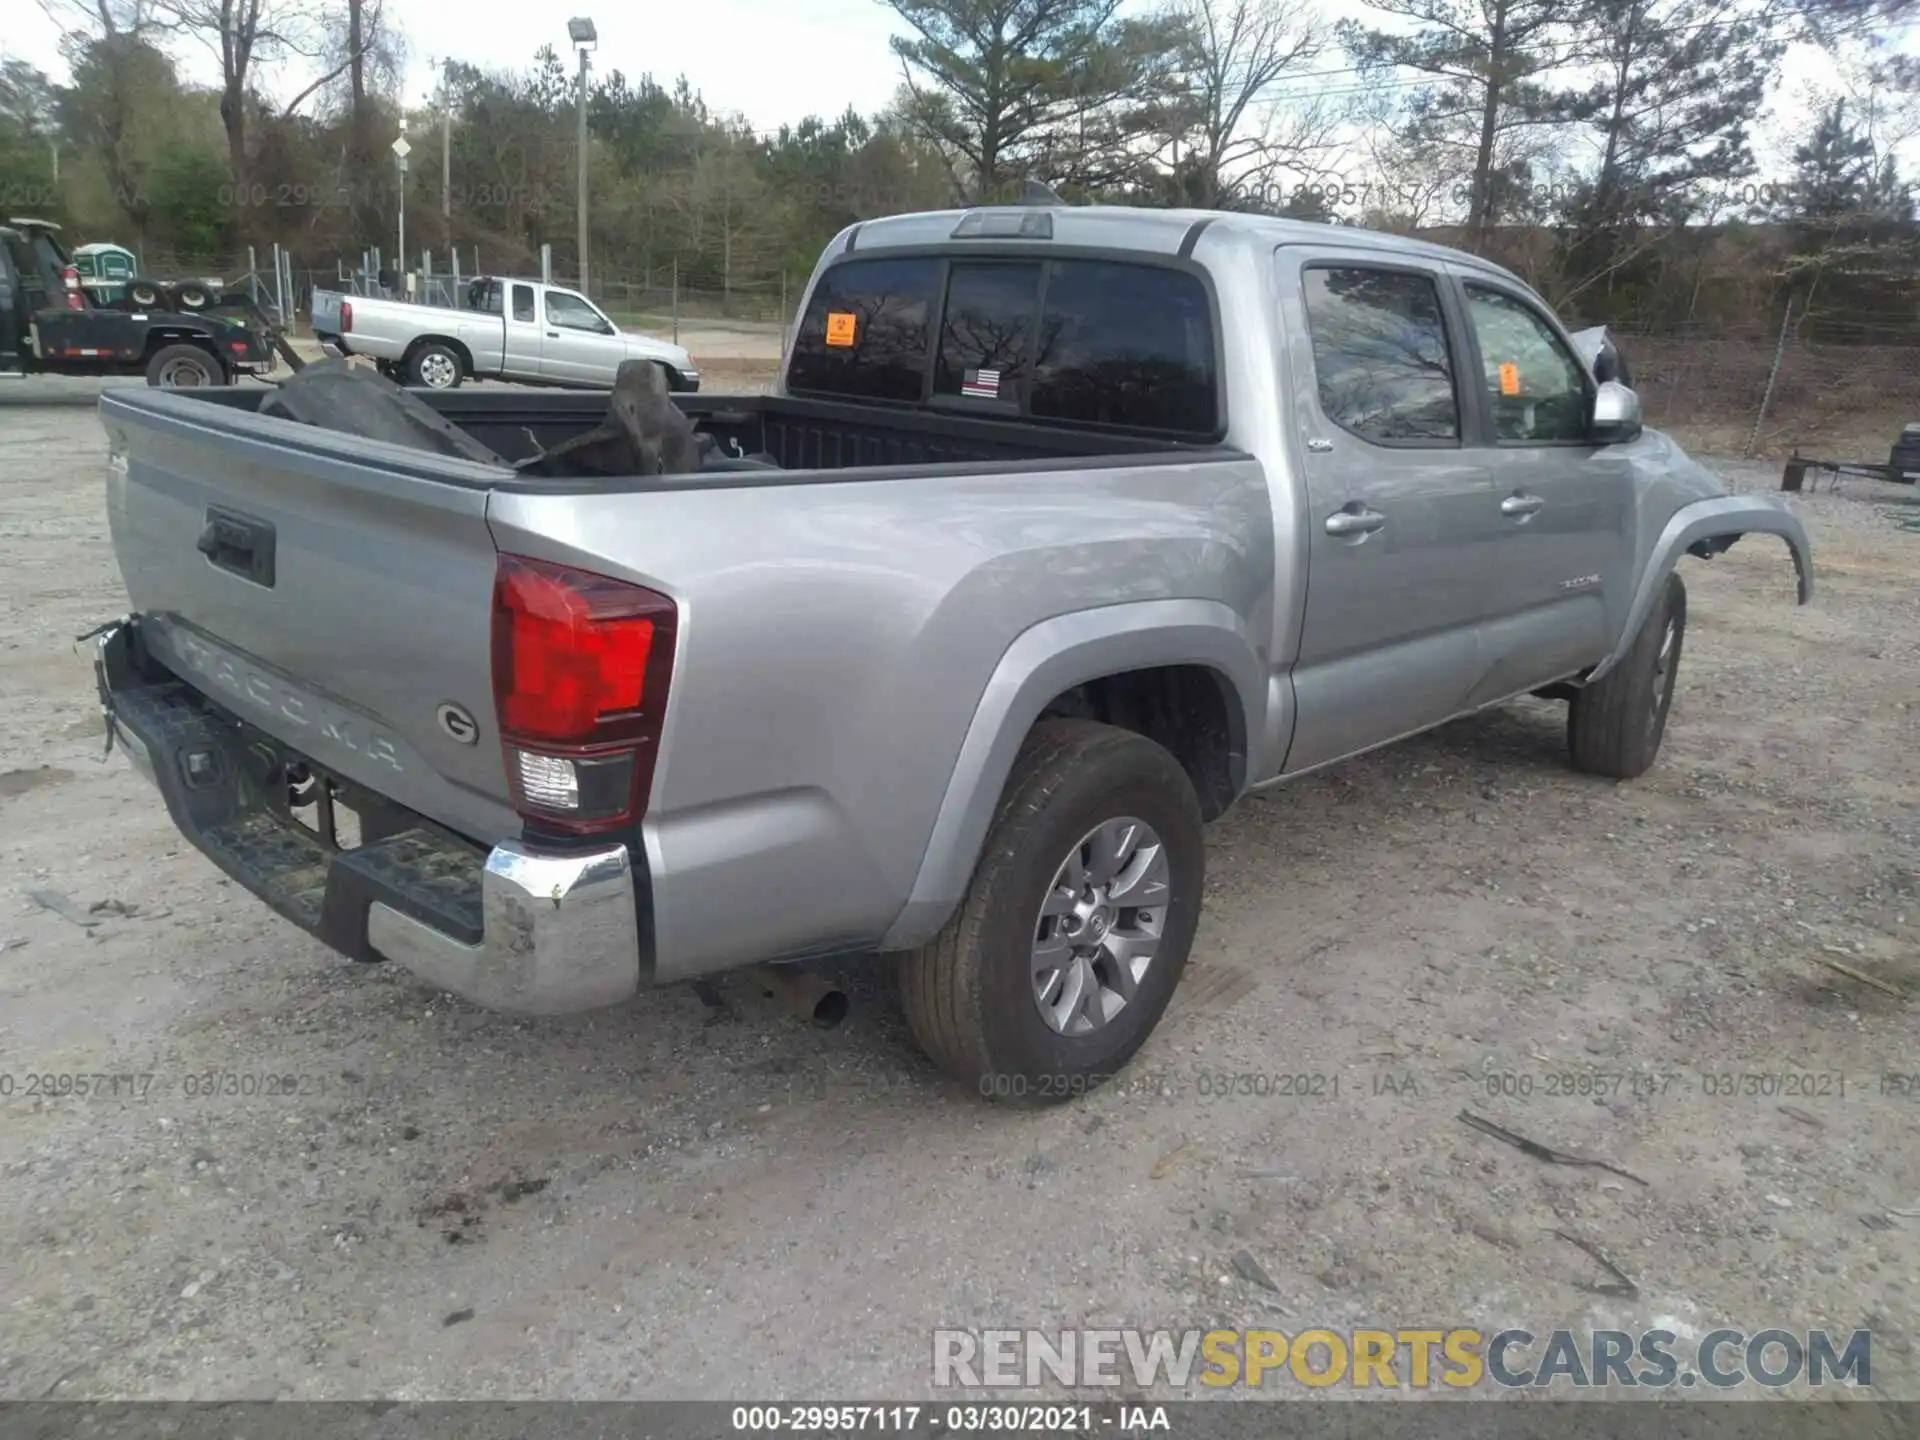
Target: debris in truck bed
[(339, 395), (644, 433)]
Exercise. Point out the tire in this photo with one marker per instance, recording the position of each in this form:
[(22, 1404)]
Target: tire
[(1614, 726), (173, 365), (970, 993), (147, 294), (435, 366), (193, 295)]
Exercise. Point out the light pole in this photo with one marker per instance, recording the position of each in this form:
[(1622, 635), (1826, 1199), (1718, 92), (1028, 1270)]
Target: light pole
[(401, 149), (581, 32)]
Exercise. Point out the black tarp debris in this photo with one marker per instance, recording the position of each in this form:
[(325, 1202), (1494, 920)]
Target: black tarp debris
[(357, 400), (644, 433)]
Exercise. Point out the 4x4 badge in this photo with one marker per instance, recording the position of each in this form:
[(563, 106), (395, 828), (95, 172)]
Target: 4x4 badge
[(458, 723)]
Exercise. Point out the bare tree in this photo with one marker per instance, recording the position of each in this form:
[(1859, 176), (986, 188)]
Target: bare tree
[(246, 34), (1228, 131)]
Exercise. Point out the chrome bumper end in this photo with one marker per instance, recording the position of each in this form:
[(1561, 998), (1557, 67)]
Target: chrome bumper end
[(560, 934)]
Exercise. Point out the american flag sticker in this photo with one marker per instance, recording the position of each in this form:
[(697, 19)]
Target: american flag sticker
[(981, 384)]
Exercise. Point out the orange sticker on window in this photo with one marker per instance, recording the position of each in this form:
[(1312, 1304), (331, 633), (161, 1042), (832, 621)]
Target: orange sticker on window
[(840, 327), (1509, 378)]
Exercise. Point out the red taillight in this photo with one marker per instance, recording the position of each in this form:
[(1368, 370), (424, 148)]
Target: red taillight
[(581, 665), (346, 316), (76, 297)]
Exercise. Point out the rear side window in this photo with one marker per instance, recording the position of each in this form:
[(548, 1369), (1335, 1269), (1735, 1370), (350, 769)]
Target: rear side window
[(1126, 345), (522, 303), (1380, 354), (865, 334)]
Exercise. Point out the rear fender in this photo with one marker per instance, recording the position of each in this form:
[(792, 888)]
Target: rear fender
[(1044, 662), (1707, 527)]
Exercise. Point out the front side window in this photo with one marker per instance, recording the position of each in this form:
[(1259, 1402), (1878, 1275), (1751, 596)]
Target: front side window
[(1536, 389), (1126, 345), (1380, 353), (865, 333), (570, 312)]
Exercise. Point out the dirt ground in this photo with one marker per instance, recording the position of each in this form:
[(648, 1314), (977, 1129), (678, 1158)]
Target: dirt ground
[(676, 1200)]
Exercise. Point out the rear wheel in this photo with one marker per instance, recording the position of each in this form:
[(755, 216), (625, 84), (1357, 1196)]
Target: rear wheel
[(193, 295), (183, 366), (1615, 726), (1076, 926), (435, 366)]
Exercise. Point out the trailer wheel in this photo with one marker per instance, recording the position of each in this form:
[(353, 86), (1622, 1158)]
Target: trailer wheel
[(183, 366), (436, 366), (145, 293), (193, 295)]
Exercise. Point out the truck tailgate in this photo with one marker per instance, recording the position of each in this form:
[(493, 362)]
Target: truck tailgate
[(326, 312), (334, 591)]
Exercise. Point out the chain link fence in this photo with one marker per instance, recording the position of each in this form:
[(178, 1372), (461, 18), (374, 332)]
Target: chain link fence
[(1844, 396)]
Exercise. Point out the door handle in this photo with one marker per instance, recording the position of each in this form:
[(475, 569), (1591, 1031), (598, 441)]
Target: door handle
[(553, 334), (1354, 522), (1518, 507)]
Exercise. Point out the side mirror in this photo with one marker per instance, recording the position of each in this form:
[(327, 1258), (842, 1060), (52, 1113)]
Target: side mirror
[(1616, 415)]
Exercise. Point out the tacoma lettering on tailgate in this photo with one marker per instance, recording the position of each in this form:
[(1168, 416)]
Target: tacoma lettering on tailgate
[(270, 693)]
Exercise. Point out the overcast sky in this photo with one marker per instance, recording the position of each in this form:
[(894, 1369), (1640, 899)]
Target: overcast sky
[(770, 60), (773, 61)]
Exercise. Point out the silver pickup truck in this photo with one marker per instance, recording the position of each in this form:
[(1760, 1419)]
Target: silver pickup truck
[(1086, 522), (504, 329)]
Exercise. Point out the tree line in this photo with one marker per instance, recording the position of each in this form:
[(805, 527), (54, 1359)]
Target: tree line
[(1603, 148)]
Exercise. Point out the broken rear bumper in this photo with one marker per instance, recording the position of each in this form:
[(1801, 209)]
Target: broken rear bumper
[(517, 929)]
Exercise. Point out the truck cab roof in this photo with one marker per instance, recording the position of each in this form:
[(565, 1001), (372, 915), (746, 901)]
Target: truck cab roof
[(1121, 227)]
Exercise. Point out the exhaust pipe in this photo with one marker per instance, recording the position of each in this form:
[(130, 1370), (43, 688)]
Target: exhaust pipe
[(813, 999)]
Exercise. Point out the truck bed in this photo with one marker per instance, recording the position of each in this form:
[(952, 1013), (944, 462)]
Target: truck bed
[(799, 434)]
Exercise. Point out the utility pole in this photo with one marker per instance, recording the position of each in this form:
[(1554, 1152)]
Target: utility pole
[(582, 33)]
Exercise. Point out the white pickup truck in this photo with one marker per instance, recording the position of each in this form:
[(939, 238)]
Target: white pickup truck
[(505, 329)]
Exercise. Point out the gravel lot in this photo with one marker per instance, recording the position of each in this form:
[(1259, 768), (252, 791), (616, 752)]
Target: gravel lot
[(677, 1199)]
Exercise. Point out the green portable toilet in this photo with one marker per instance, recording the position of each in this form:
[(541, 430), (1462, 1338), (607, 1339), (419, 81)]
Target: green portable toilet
[(105, 270)]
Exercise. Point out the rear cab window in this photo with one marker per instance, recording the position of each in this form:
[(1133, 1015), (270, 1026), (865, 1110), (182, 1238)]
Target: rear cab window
[(1079, 341)]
